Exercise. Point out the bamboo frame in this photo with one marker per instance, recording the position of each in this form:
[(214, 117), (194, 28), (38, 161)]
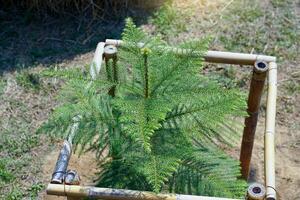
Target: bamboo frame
[(257, 83)]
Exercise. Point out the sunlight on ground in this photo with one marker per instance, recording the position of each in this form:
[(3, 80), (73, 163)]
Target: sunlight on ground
[(203, 7)]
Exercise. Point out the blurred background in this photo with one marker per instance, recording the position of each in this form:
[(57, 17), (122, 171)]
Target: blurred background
[(43, 34)]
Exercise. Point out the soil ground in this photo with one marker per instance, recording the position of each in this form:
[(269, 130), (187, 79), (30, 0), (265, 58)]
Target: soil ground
[(29, 45)]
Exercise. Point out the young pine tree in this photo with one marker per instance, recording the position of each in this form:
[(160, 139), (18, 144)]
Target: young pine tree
[(160, 126)]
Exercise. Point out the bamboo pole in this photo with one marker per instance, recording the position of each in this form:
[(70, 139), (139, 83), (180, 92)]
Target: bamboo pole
[(216, 56), (270, 132), (97, 60), (118, 194), (62, 163), (255, 93)]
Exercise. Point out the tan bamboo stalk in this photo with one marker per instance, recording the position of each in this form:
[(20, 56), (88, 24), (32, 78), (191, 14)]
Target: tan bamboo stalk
[(255, 93), (270, 132), (118, 194), (216, 56), (97, 60)]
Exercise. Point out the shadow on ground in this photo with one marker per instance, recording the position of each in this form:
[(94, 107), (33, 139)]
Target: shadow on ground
[(28, 39)]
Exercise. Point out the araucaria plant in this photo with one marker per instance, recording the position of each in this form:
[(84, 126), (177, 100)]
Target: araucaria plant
[(155, 122)]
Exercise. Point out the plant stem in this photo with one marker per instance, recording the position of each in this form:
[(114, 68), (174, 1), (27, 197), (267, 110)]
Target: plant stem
[(115, 76), (146, 76), (115, 68)]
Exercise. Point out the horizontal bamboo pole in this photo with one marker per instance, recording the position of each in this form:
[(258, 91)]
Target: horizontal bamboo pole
[(218, 56), (270, 132), (255, 93), (118, 194)]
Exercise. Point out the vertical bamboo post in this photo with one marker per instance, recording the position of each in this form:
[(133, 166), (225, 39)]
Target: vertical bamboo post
[(97, 60), (256, 89), (110, 52), (270, 132)]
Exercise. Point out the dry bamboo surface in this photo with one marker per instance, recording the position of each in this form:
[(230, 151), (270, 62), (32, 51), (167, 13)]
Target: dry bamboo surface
[(255, 93), (117, 194), (217, 56), (270, 132), (97, 60)]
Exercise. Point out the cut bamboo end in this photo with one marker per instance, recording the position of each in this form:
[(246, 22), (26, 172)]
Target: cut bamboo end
[(256, 191), (260, 66), (110, 51), (72, 178)]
